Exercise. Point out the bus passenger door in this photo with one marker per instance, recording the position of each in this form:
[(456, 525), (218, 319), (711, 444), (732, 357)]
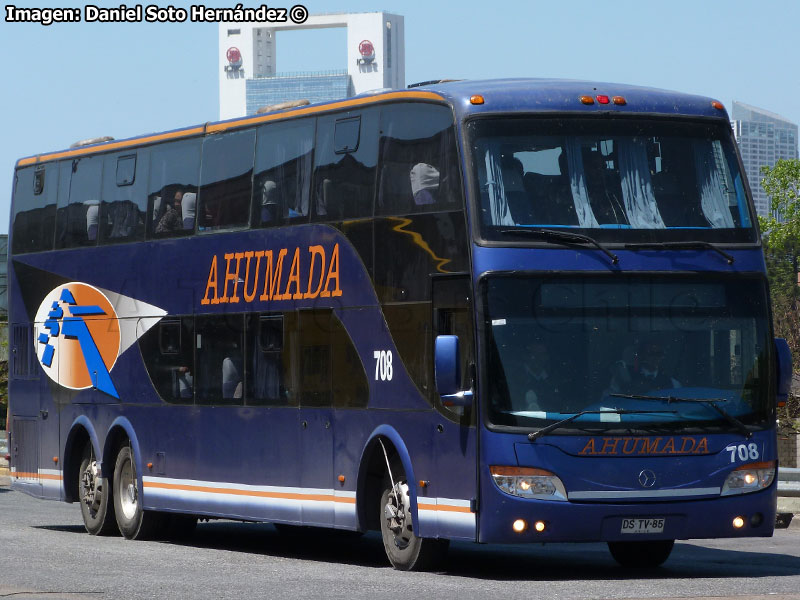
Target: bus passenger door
[(315, 416), (455, 490)]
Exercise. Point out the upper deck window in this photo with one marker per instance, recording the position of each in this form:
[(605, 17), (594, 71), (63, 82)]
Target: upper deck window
[(645, 180), (226, 180)]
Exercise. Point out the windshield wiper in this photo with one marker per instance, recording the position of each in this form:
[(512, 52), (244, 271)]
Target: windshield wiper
[(617, 411), (564, 237), (712, 402), (686, 245)]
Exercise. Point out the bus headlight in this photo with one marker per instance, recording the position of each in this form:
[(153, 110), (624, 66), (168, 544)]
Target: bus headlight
[(749, 478), (526, 482)]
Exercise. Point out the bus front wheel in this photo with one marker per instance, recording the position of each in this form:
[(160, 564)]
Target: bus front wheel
[(405, 551), (94, 491), (641, 554), (134, 522)]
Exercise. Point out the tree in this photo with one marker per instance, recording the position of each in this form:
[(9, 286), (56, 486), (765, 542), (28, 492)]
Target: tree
[(781, 230), (781, 239)]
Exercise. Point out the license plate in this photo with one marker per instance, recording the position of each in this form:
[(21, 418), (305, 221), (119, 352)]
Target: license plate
[(637, 525)]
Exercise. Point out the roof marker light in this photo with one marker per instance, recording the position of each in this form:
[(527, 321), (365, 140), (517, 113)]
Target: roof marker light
[(476, 99), (619, 100), (602, 99), (587, 99), (718, 105)]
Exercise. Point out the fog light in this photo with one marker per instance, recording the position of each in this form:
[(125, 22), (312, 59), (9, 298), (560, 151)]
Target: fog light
[(539, 526), (738, 522), (519, 525)]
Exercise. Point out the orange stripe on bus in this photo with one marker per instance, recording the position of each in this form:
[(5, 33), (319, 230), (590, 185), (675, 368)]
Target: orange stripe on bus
[(445, 508), (254, 493), (219, 127), (23, 475)]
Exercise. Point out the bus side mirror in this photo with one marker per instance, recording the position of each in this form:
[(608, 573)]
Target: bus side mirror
[(784, 368), (447, 370)]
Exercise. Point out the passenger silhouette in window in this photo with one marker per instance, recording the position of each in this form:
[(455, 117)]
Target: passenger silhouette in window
[(172, 219)]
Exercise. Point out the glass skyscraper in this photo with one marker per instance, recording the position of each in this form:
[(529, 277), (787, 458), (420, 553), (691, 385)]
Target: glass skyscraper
[(312, 86), (763, 138)]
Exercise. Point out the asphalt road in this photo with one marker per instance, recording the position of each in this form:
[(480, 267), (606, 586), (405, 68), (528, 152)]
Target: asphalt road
[(45, 553)]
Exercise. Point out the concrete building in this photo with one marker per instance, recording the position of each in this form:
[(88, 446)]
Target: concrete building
[(247, 66), (763, 138)]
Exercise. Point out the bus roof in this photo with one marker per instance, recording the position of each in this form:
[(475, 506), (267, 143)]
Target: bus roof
[(499, 96), (562, 95)]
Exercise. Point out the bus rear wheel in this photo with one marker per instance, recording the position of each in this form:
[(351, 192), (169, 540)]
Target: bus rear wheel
[(134, 522), (94, 492), (641, 555), (405, 550)]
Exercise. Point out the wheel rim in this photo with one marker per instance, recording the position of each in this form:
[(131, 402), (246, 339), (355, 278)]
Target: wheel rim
[(397, 513), (91, 488), (127, 492)]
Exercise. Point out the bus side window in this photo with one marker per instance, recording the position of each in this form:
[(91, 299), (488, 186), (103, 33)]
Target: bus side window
[(348, 377), (225, 181), (418, 160), (265, 360), (172, 191), (219, 351), (282, 181), (168, 354), (345, 158), (34, 212), (77, 219), (124, 201)]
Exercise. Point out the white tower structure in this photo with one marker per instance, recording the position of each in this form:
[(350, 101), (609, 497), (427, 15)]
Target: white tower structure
[(248, 77)]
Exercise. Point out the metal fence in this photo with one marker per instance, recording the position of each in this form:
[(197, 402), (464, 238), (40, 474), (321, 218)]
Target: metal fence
[(789, 482)]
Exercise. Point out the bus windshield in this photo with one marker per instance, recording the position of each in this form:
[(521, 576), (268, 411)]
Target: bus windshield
[(623, 180), (668, 347)]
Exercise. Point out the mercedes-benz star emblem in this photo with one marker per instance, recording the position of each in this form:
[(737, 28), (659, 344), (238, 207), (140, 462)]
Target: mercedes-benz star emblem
[(647, 478)]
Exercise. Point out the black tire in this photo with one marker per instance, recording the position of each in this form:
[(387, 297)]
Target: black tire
[(134, 522), (95, 495), (641, 555), (405, 551)]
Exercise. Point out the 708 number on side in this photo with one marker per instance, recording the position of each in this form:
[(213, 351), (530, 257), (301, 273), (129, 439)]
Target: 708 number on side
[(383, 365)]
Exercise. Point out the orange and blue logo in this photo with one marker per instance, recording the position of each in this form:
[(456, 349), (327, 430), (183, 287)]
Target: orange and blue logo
[(82, 331), (79, 341)]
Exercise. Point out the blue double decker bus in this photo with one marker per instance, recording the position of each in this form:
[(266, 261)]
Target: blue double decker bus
[(513, 311)]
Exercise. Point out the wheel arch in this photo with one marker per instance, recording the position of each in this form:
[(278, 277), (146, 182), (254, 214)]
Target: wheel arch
[(80, 433), (120, 433), (370, 475)]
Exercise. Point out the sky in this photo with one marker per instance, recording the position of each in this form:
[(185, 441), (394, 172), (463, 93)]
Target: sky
[(71, 81)]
